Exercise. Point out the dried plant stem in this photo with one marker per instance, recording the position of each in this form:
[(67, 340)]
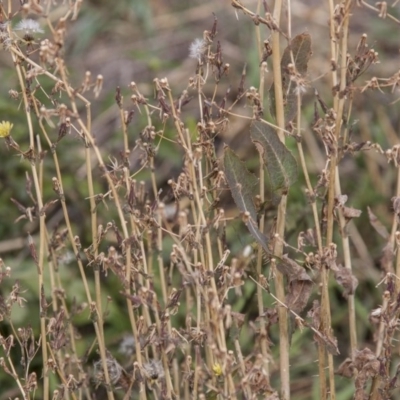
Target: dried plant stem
[(280, 229), (325, 306), (128, 269), (382, 324), (346, 249), (53, 275), (325, 327), (311, 194), (125, 232), (365, 4), (260, 302), (395, 221), (98, 318), (124, 127), (14, 373), (241, 363), (164, 357), (82, 272), (348, 265), (175, 366), (321, 348), (283, 323), (258, 37), (177, 123), (310, 190), (43, 311), (339, 107), (333, 44), (197, 368), (396, 236), (127, 291), (54, 261), (61, 375), (42, 222), (160, 262), (376, 382), (93, 213), (212, 317), (132, 320)]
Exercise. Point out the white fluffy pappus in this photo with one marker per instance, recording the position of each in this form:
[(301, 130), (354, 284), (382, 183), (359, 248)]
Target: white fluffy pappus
[(28, 25), (196, 49)]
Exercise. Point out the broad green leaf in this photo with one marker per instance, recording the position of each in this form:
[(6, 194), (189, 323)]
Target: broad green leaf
[(301, 49), (279, 161), (242, 184)]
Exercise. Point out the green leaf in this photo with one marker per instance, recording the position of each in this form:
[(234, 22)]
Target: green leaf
[(242, 183), (301, 48), (279, 161)]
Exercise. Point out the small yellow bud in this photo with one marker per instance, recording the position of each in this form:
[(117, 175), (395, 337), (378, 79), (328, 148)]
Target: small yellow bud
[(5, 128), (217, 369)]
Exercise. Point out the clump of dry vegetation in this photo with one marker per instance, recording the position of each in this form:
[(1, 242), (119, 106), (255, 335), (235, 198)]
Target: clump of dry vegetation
[(223, 278)]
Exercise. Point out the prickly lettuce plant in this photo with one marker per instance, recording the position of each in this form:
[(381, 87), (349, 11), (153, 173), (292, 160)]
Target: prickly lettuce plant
[(220, 278)]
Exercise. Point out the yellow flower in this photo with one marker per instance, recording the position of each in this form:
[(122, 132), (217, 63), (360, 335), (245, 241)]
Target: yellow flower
[(5, 128), (217, 369)]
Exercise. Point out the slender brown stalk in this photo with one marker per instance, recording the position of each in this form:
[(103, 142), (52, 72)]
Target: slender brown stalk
[(280, 228)]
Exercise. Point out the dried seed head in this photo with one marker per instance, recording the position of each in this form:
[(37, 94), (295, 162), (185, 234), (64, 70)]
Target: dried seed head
[(13, 94), (114, 370), (153, 370), (127, 345)]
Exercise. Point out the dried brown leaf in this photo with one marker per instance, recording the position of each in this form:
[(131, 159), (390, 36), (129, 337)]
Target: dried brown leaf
[(346, 279), (299, 284), (387, 258), (328, 341), (306, 239), (238, 318), (368, 367), (238, 321), (271, 315), (350, 213), (272, 396), (299, 293), (377, 225), (362, 357), (289, 268), (396, 206), (315, 314), (346, 368)]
